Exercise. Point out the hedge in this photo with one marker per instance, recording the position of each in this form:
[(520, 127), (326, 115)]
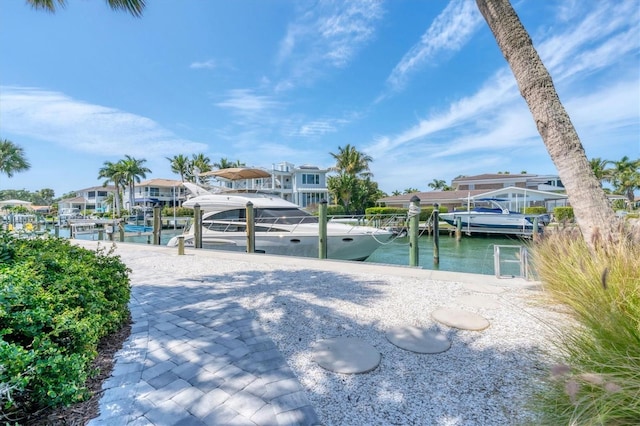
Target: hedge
[(563, 214), (56, 302)]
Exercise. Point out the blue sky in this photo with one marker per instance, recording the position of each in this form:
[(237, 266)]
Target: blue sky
[(420, 86)]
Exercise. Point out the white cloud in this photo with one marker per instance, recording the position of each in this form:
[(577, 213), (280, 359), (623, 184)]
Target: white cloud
[(450, 31), (496, 118), (210, 64), (326, 36), (81, 126), (244, 101)]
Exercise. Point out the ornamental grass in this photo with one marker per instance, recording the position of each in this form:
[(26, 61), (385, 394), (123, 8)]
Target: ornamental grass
[(596, 381)]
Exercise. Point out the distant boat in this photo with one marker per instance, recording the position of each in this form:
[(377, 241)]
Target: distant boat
[(281, 227), (494, 219)]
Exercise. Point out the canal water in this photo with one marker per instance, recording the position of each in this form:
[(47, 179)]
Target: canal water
[(470, 254)]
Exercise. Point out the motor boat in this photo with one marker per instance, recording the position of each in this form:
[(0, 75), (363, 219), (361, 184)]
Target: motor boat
[(489, 216), (281, 227)]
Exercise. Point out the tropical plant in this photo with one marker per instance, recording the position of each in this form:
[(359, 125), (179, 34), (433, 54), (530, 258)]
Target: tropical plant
[(133, 172), (396, 192), (352, 186), (180, 165), (600, 170), (224, 163), (200, 163), (595, 217), (12, 158), (410, 190), (625, 177), (595, 380), (351, 161), (439, 185), (113, 172), (134, 7)]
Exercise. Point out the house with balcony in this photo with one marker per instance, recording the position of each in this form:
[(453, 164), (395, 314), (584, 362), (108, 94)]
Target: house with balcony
[(89, 200), (165, 192), (303, 185)]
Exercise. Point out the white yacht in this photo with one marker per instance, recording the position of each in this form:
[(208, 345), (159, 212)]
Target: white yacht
[(281, 227), (494, 219)]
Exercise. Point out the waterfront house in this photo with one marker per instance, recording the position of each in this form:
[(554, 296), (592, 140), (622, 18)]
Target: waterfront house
[(165, 192), (89, 200), (488, 181)]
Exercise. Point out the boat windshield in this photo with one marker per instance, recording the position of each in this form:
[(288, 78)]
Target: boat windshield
[(285, 215)]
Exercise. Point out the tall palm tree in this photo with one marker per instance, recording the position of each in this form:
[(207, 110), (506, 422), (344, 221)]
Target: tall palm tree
[(134, 7), (439, 185), (180, 164), (593, 212), (352, 162), (200, 163), (226, 164), (133, 172), (625, 177), (12, 158), (114, 172), (600, 170)]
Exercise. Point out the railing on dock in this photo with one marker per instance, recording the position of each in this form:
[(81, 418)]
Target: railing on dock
[(510, 254)]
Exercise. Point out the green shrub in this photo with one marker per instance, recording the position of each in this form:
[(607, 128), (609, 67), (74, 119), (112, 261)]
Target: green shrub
[(180, 212), (535, 210), (335, 210), (56, 302), (563, 214), (596, 381)]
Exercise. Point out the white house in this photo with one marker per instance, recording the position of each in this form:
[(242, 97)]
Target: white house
[(89, 199), (166, 192)]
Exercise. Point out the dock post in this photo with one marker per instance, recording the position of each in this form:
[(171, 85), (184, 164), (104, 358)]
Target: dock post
[(322, 228), (251, 229), (536, 229), (121, 229), (157, 224), (197, 227), (414, 230), (181, 245), (436, 235), (56, 230), (100, 234), (458, 228)]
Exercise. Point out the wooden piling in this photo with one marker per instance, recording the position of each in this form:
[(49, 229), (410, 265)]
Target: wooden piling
[(197, 226), (436, 235), (322, 227), (251, 229), (414, 230), (157, 224), (458, 228)]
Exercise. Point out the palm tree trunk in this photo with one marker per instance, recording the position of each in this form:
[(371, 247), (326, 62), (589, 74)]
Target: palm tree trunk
[(592, 209)]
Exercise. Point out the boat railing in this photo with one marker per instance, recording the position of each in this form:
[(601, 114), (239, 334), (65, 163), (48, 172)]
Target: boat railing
[(291, 223)]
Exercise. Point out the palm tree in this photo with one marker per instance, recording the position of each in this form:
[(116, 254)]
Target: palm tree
[(600, 170), (625, 177), (351, 161), (410, 190), (439, 185), (226, 164), (592, 210), (12, 159), (113, 172), (200, 163), (180, 164), (134, 7), (133, 172)]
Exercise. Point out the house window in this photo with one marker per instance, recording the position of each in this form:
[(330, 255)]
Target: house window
[(102, 193), (154, 192), (91, 194), (310, 179), (309, 198)]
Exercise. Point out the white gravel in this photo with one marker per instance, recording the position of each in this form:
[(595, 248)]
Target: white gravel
[(486, 378)]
